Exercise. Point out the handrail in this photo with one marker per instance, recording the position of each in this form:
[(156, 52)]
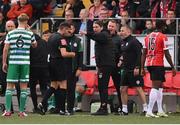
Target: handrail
[(131, 19)]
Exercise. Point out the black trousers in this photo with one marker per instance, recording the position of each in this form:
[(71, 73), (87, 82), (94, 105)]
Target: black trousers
[(71, 86), (104, 74), (38, 76)]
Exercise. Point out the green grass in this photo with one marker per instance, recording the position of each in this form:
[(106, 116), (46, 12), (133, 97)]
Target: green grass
[(86, 118)]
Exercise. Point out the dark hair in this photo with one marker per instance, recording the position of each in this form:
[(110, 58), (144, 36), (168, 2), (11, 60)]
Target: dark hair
[(160, 24), (100, 23), (149, 20), (113, 21), (64, 25), (172, 11), (46, 32)]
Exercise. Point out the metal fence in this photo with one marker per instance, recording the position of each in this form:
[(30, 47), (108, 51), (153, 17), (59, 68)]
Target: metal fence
[(52, 20)]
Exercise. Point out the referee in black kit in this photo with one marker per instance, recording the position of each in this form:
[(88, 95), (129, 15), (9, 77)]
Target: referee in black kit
[(57, 44), (105, 61)]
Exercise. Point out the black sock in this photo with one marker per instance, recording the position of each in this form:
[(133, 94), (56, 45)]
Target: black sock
[(48, 94), (62, 99), (57, 96)]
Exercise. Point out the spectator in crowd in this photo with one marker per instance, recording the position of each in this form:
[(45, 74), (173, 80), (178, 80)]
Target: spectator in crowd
[(127, 5), (2, 25), (4, 7), (95, 9), (154, 49), (104, 17), (105, 62), (84, 24), (126, 21), (41, 8), (21, 7), (166, 5), (149, 27), (177, 10), (39, 72), (130, 63), (60, 3), (75, 6), (69, 15), (18, 59), (170, 27), (10, 25)]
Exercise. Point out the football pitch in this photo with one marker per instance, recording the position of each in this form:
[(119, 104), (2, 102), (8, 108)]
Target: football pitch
[(86, 118)]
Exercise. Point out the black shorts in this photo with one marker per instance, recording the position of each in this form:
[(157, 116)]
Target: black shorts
[(128, 79), (39, 73), (157, 73), (57, 70)]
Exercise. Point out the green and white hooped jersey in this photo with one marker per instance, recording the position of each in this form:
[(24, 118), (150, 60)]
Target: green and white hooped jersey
[(20, 42)]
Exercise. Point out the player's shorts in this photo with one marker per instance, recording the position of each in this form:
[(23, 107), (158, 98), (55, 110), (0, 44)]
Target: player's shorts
[(57, 70), (18, 73), (128, 79), (157, 73)]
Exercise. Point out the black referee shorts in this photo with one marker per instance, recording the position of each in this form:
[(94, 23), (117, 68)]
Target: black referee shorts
[(57, 70), (157, 73)]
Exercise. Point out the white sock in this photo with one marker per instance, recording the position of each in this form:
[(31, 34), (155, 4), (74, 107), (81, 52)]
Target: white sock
[(124, 108), (145, 107), (159, 101), (152, 99)]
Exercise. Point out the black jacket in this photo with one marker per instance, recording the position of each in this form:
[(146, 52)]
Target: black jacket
[(131, 53), (104, 49), (39, 55)]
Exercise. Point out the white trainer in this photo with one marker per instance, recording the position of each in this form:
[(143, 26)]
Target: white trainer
[(162, 114), (151, 115)]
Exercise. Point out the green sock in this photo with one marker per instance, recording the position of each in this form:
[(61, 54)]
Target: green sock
[(23, 98), (8, 99), (79, 97), (51, 102)]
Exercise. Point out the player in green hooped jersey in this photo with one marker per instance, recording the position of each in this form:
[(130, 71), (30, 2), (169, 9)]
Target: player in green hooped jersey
[(17, 50)]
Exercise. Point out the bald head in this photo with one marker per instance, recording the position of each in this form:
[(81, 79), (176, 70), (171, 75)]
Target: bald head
[(10, 25)]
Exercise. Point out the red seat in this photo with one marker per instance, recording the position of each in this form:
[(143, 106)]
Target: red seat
[(89, 77), (89, 91), (169, 80), (176, 81), (132, 91), (147, 80), (111, 83)]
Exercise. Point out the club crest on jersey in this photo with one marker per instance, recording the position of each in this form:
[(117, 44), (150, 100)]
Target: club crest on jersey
[(75, 44), (137, 82), (20, 42), (63, 42)]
